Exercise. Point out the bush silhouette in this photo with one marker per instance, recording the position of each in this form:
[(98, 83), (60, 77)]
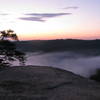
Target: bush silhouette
[(8, 51), (96, 76)]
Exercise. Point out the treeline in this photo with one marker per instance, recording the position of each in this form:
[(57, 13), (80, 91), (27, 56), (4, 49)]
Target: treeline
[(74, 45)]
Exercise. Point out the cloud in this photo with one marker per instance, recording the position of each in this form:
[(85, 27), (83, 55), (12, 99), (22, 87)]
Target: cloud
[(42, 17), (47, 15), (32, 19), (3, 14), (71, 7)]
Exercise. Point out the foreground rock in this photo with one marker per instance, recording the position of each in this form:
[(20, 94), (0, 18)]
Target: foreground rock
[(45, 83)]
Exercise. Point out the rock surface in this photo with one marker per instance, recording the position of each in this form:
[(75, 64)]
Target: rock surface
[(45, 83)]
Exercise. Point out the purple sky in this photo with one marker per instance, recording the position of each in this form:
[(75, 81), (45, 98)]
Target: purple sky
[(51, 19)]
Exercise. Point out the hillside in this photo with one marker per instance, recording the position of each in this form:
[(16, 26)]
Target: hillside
[(45, 83), (90, 47)]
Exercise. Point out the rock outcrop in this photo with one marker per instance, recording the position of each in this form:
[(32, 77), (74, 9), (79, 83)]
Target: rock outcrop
[(45, 83)]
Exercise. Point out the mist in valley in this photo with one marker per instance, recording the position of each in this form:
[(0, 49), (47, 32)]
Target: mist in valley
[(77, 63)]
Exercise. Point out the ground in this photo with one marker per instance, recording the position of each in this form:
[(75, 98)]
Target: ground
[(45, 83)]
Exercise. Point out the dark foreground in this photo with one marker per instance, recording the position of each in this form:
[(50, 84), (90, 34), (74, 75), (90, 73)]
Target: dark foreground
[(45, 83)]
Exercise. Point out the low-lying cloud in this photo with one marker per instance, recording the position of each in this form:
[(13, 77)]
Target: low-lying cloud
[(76, 63)]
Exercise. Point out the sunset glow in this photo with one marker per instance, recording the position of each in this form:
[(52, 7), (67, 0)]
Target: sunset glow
[(51, 19)]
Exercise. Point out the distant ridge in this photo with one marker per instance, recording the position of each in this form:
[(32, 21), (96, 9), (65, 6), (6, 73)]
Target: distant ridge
[(72, 45)]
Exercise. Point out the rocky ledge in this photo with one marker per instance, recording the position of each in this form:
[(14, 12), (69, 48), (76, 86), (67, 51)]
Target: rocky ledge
[(45, 83)]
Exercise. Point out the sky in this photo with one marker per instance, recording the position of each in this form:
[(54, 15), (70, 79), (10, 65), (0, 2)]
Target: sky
[(51, 19)]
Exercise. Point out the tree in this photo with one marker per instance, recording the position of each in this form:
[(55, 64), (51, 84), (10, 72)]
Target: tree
[(8, 34), (8, 51)]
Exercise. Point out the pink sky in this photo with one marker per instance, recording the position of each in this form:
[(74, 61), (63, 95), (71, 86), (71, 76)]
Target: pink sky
[(51, 19)]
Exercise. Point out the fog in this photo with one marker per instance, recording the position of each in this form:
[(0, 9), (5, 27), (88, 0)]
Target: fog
[(79, 64)]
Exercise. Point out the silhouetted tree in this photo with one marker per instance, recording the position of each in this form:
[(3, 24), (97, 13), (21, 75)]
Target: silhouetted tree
[(8, 51), (8, 34)]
